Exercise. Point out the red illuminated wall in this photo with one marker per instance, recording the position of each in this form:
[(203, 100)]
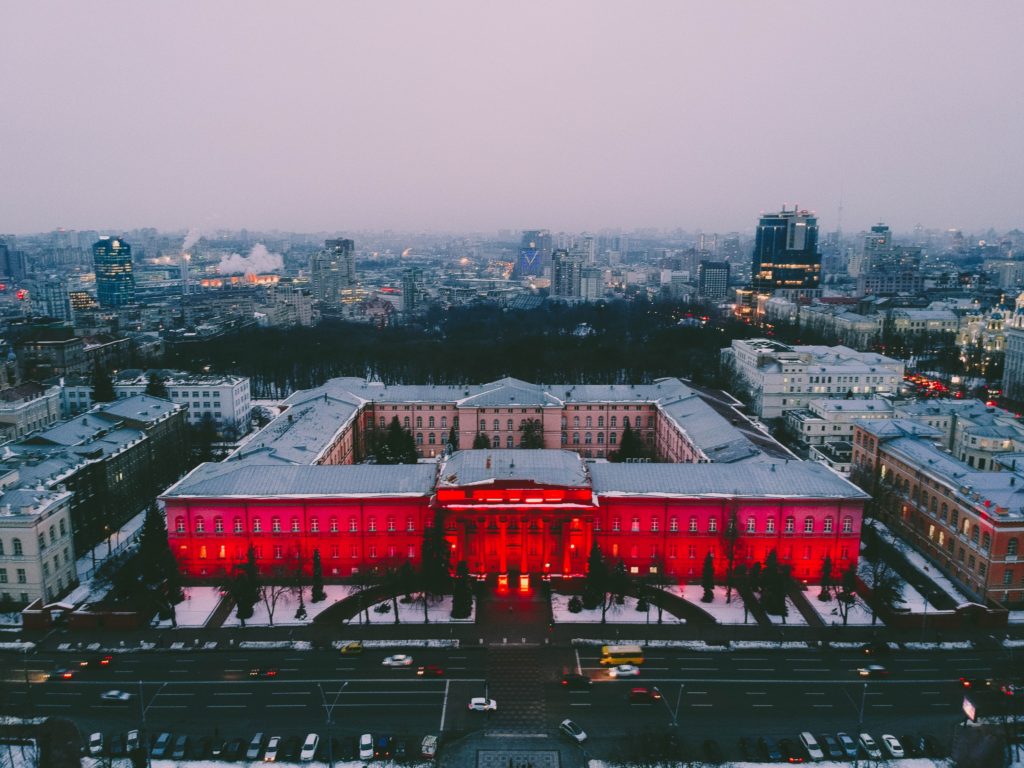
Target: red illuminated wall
[(501, 530)]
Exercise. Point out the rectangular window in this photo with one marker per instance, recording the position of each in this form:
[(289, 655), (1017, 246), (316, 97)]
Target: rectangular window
[(22, 579), (410, 524), (769, 525), (353, 525), (371, 525), (691, 551), (616, 524), (712, 525), (634, 525), (654, 525), (693, 525), (673, 524), (278, 552)]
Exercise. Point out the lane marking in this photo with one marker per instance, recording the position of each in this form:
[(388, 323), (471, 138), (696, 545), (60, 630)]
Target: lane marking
[(444, 707), (755, 669), (167, 706), (705, 705), (286, 706), (579, 704), (232, 693), (225, 706), (763, 706), (822, 706), (756, 693), (291, 693), (807, 669)]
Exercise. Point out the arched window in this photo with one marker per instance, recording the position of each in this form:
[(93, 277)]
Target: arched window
[(790, 525), (986, 541), (275, 524), (510, 441), (600, 438), (405, 422), (751, 525), (200, 525), (419, 438), (590, 421), (612, 421), (612, 438), (483, 425), (769, 525), (497, 425), (314, 525), (712, 525), (333, 525), (432, 438), (943, 511), (827, 525), (588, 438), (693, 524), (383, 424), (575, 438), (218, 525), (600, 421), (430, 422), (625, 421), (257, 525), (509, 426), (576, 421), (295, 525), (974, 534), (179, 524), (419, 422), (808, 524), (847, 524)]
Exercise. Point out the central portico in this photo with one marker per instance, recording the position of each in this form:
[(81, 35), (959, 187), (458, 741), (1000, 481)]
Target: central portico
[(517, 512)]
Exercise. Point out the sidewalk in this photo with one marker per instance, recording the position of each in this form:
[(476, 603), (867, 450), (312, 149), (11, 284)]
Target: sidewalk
[(117, 544)]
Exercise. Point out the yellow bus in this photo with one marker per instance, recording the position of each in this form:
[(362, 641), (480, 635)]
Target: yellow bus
[(613, 655)]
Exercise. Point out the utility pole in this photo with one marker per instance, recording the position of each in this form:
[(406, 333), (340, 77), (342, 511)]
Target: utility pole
[(860, 723), (675, 712)]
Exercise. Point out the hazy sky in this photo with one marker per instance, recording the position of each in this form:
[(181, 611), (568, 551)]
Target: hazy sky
[(481, 115)]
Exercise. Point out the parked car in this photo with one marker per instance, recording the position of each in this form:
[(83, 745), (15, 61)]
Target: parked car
[(913, 746), (428, 747), (202, 747), (748, 751), (892, 745), (791, 751), (480, 704), (161, 746), (875, 649), (572, 730), (873, 670), (400, 750), (217, 748), (811, 746), (131, 741), (115, 745), (270, 753), (383, 746), (624, 670), (289, 750), (398, 660), (234, 749), (352, 649), (430, 670), (180, 751), (712, 752), (933, 747), (768, 749), (848, 744), (366, 747), (869, 746), (575, 680), (308, 752), (116, 697), (831, 747), (96, 744), (255, 747), (641, 695)]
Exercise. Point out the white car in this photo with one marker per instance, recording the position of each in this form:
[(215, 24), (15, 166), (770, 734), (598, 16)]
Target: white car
[(869, 746), (398, 660), (366, 747), (480, 704), (624, 670), (892, 745), (811, 746), (131, 742), (270, 756), (96, 744), (573, 731), (118, 697), (309, 748)]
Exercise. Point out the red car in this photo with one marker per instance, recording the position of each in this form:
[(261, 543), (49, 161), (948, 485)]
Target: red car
[(430, 670)]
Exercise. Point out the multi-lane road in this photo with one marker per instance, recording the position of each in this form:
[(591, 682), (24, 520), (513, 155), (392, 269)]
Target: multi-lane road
[(721, 695)]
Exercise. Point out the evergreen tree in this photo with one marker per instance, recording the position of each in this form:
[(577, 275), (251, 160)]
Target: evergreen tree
[(462, 593), (631, 446), (826, 580), (102, 386), (773, 586), (595, 584), (245, 587), (531, 434), (155, 387), (398, 445), (204, 435), (317, 593), (453, 439), (846, 597), (435, 576), (619, 582), (481, 441), (158, 565), (707, 579)]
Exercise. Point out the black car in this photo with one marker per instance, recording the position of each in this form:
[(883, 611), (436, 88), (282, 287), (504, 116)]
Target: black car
[(791, 751), (116, 745), (234, 749), (346, 749), (201, 748), (913, 747), (933, 747), (288, 752), (831, 747), (575, 681), (217, 748), (748, 750), (180, 750), (713, 752), (382, 746), (768, 749), (401, 751)]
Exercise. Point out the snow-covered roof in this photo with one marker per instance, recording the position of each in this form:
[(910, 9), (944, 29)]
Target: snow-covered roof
[(543, 467)]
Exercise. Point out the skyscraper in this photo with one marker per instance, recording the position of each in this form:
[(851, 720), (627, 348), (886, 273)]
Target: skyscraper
[(786, 254), (115, 283), (332, 269), (566, 274)]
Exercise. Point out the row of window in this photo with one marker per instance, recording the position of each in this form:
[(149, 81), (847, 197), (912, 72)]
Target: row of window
[(951, 517), (20, 574), (789, 525), (382, 422), (278, 553), (17, 549), (295, 526)]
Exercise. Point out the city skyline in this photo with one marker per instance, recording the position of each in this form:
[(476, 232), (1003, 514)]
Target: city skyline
[(456, 117)]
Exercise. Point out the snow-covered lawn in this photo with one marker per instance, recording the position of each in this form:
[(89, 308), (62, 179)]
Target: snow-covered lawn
[(195, 609), (220, 764), (284, 610), (11, 619), (926, 569), (793, 617), (616, 614), (1016, 617), (910, 762), (724, 613), (829, 612)]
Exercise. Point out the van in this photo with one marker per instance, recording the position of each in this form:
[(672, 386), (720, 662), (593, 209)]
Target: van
[(811, 746), (255, 747)]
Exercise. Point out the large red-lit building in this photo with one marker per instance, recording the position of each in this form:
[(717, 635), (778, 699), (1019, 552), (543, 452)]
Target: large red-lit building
[(513, 513)]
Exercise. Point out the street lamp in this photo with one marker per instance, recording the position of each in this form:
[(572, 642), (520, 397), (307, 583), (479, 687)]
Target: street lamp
[(924, 620), (329, 712)]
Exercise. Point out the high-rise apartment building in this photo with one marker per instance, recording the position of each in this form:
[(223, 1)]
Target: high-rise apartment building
[(333, 269), (566, 275), (786, 256), (713, 280), (52, 293), (115, 282)]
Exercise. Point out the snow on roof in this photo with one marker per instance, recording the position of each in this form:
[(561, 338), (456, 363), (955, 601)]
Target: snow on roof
[(544, 467), (783, 479)]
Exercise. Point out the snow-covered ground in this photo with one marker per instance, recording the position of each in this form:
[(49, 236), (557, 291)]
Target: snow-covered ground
[(910, 762), (284, 610), (928, 570), (10, 620), (119, 541), (220, 764), (616, 614), (195, 609), (724, 613), (793, 617), (829, 612), (1017, 617)]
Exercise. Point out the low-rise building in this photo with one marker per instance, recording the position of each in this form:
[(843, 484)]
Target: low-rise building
[(830, 421), (37, 555), (976, 433), (27, 407)]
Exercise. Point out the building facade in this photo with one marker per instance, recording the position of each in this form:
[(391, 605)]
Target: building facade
[(37, 556), (27, 407), (115, 281), (786, 256), (514, 513)]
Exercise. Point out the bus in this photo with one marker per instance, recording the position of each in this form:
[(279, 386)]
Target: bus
[(613, 655)]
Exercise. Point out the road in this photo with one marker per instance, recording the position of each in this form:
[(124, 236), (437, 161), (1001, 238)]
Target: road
[(723, 695)]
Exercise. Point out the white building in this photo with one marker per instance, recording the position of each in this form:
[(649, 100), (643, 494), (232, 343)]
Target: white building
[(27, 407), (780, 378), (831, 421), (37, 557), (224, 398)]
